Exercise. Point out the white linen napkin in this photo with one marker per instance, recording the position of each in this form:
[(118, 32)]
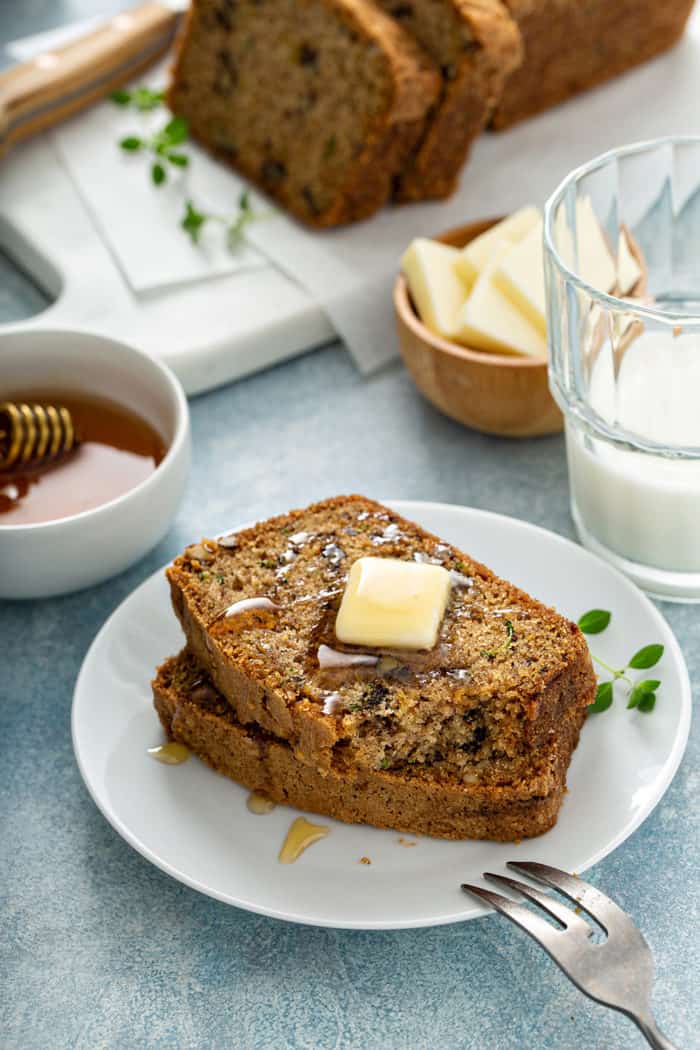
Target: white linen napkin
[(140, 222), (349, 271)]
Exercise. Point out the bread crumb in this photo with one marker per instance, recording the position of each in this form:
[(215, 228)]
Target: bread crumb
[(365, 860), (407, 843)]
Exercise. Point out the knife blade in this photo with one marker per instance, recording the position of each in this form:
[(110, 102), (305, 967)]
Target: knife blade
[(38, 94)]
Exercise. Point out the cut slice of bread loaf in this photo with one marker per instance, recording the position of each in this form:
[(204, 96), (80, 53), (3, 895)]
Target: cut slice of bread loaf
[(195, 714), (318, 102), (476, 45), (572, 45), (505, 674)]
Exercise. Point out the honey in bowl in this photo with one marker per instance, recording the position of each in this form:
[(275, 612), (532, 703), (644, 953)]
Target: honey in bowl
[(117, 450)]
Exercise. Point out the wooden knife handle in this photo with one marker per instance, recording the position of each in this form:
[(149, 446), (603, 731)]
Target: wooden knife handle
[(38, 94)]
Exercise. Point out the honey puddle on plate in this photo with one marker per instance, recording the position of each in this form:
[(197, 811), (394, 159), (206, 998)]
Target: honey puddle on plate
[(171, 754), (302, 833), (300, 836)]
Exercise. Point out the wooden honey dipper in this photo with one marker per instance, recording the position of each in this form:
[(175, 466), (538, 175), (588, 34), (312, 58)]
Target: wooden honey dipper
[(33, 436)]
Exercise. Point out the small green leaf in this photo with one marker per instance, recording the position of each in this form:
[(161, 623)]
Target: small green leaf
[(175, 131), (181, 160), (131, 143), (603, 698), (594, 621), (158, 174), (121, 97), (145, 99), (646, 657), (647, 702), (640, 689), (244, 201), (192, 221)]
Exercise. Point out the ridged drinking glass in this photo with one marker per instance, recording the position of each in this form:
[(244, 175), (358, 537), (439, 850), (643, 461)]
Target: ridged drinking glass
[(625, 370)]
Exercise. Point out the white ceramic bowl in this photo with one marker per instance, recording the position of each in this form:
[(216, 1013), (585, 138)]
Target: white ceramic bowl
[(54, 557)]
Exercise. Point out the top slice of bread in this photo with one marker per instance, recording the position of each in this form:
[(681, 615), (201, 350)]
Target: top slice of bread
[(504, 674), (319, 102), (476, 45)]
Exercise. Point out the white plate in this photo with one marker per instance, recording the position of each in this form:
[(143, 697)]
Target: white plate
[(194, 824)]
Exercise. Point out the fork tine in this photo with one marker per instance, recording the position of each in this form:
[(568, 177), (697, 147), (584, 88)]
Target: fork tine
[(566, 916), (595, 903), (539, 928)]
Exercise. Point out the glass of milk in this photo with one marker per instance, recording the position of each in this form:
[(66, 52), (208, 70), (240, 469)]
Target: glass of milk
[(622, 270)]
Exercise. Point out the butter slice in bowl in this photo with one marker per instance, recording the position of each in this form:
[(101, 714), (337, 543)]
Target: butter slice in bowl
[(436, 287), (491, 320), (475, 256), (392, 603), (519, 275)]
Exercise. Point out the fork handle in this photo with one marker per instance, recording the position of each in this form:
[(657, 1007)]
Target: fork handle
[(652, 1033)]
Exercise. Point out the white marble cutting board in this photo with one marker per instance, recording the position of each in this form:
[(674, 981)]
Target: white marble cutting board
[(209, 332)]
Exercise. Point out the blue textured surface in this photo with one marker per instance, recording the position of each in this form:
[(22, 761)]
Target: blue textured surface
[(101, 950)]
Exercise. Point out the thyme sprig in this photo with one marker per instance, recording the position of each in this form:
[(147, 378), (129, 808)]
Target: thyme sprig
[(194, 219), (162, 146), (641, 694), (143, 99)]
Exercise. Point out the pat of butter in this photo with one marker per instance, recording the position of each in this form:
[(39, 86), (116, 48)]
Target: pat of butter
[(475, 257), (593, 261), (489, 320), (520, 276), (436, 290), (392, 603)]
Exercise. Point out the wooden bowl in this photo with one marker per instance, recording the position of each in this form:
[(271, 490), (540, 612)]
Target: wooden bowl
[(495, 393)]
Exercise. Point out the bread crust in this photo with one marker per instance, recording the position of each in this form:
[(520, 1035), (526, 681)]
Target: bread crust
[(535, 703), (466, 102), (192, 713), (572, 46), (388, 142)]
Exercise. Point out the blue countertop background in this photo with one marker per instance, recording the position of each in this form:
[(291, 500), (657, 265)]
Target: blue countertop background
[(101, 950)]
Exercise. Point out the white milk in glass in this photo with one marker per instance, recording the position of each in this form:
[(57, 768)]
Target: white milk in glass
[(644, 507)]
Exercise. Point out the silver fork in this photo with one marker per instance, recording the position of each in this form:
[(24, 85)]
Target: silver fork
[(617, 972)]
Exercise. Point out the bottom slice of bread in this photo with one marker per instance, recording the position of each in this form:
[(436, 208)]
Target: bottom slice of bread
[(195, 714)]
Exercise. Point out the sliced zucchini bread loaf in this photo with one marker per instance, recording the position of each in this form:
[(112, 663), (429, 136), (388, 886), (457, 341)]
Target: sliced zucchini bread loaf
[(476, 45), (194, 713), (319, 102), (571, 45), (259, 608)]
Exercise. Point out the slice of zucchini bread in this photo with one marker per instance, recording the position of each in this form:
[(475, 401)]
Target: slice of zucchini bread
[(476, 45), (572, 45), (195, 714), (258, 610), (319, 102)]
